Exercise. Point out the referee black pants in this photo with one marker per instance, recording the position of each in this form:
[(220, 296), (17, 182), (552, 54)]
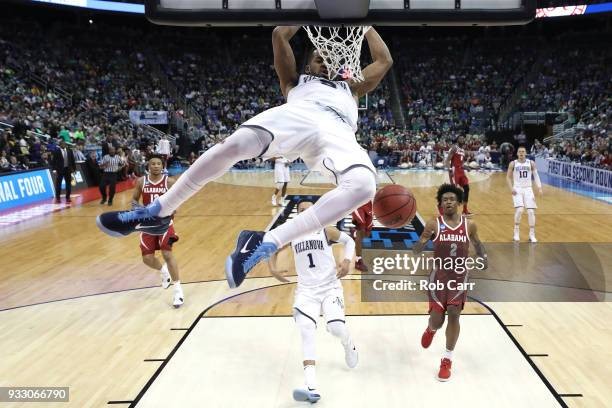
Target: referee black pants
[(108, 179)]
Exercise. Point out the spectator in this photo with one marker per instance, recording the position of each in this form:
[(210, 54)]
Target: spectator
[(63, 167)]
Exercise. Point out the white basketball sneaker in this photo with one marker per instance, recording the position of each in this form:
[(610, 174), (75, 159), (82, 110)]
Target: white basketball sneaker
[(274, 200), (165, 276), (350, 354), (179, 297), (306, 395), (516, 237), (532, 237)]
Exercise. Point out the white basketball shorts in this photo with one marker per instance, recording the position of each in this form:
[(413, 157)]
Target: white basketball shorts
[(281, 174), (327, 300), (524, 197), (304, 129)]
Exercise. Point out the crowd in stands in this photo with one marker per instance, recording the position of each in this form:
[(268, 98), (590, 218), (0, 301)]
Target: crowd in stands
[(80, 84), (79, 88)]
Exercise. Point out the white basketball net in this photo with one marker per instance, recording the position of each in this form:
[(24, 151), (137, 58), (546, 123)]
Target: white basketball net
[(340, 48)]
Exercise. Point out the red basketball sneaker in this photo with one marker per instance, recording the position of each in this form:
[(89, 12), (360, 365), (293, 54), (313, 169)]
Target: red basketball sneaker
[(427, 337), (445, 370)]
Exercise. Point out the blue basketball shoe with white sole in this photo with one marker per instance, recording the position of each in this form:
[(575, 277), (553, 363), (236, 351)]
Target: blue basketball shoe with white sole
[(140, 219), (250, 250)]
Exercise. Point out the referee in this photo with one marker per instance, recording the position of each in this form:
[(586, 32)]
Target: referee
[(110, 165)]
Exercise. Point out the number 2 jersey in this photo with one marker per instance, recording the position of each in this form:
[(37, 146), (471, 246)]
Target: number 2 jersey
[(450, 244), (151, 190), (314, 260)]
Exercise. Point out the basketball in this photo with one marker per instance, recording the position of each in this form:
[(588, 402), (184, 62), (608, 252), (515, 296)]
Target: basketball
[(394, 206)]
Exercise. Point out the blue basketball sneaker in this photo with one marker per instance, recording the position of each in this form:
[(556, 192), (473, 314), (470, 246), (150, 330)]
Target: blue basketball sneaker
[(309, 395), (250, 250), (141, 219)]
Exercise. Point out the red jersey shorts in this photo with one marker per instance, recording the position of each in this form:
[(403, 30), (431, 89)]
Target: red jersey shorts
[(151, 243), (448, 291), (363, 218)]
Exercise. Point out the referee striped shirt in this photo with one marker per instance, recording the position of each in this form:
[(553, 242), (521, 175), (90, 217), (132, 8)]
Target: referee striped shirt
[(112, 163)]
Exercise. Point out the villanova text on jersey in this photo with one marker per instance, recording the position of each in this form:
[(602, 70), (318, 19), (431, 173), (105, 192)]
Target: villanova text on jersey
[(309, 245)]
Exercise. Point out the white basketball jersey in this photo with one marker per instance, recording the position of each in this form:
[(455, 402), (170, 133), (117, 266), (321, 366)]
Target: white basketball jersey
[(522, 173), (280, 163), (314, 260), (334, 95)]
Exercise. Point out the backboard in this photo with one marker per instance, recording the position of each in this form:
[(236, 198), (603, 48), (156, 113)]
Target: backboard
[(340, 12)]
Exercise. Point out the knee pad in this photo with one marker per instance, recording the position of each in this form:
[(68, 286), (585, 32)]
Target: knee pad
[(305, 323), (337, 328), (361, 181), (308, 332)]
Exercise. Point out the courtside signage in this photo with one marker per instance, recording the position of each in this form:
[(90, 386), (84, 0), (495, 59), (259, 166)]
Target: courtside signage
[(18, 189), (576, 172)]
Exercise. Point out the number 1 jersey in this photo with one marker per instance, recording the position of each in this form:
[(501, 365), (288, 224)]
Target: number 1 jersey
[(314, 260)]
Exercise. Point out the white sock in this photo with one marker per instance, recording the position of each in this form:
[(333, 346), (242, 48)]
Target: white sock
[(448, 354), (177, 286), (310, 377), (355, 187), (245, 143), (357, 258)]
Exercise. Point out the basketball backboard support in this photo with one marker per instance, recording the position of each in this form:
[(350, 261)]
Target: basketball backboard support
[(340, 12)]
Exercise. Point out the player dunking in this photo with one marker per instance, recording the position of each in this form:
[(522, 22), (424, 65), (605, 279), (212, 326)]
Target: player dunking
[(149, 188), (364, 222), (454, 162), (317, 123), (519, 180), (319, 289), (282, 177), (451, 234)]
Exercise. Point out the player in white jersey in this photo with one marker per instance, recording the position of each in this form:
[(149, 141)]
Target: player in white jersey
[(317, 123), (518, 177), (282, 177), (318, 290)]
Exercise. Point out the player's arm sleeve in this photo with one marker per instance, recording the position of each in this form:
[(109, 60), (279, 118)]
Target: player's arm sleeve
[(333, 234), (349, 245), (536, 176)]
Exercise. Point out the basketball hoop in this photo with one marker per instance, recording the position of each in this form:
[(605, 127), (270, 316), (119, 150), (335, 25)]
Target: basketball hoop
[(340, 48)]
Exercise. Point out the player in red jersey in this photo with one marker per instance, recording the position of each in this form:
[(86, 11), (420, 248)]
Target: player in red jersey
[(454, 162), (149, 188), (451, 234), (363, 221)]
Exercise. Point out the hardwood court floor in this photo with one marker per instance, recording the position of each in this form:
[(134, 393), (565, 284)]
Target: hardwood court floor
[(97, 344)]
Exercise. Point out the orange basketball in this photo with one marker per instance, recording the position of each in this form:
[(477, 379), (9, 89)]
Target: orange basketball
[(394, 206)]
